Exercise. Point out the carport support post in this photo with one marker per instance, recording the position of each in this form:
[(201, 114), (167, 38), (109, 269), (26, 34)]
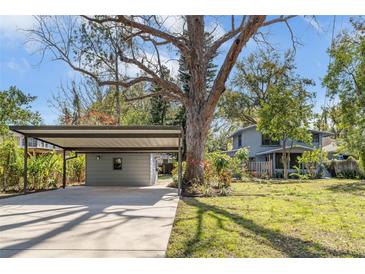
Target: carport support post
[(25, 167), (64, 169), (179, 169)]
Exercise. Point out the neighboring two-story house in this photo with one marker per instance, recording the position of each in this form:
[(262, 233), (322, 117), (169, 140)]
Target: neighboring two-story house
[(263, 150), (35, 146)]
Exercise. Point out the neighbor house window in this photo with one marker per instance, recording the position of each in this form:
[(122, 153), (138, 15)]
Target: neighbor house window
[(315, 138), (267, 141), (239, 137), (117, 163), (31, 142)]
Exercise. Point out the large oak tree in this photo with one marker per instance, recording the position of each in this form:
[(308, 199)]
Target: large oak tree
[(142, 43)]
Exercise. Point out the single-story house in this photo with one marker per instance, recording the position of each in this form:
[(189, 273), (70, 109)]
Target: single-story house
[(265, 155), (115, 155)]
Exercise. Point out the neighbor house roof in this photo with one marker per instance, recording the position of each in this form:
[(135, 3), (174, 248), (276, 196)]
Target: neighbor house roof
[(106, 138), (280, 149), (324, 133), (241, 130)]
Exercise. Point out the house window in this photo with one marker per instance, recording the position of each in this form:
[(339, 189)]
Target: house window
[(267, 141), (117, 163), (315, 138), (239, 137)]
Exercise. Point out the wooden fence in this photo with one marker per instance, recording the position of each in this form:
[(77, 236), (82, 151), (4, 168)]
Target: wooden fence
[(260, 169)]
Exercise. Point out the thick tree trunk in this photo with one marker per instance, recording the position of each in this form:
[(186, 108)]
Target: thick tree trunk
[(197, 117), (197, 127)]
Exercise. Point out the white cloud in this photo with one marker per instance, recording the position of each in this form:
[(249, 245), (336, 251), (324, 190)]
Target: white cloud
[(11, 26), (20, 66), (12, 31), (313, 23)]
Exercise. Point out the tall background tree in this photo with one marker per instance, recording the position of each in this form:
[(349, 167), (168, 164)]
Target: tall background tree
[(15, 108), (85, 45), (286, 113), (252, 81), (345, 80)]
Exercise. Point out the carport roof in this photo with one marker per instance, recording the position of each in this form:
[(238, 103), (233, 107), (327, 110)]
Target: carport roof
[(107, 138)]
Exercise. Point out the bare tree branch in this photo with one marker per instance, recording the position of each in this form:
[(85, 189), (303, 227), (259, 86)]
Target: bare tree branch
[(247, 31), (278, 20), (145, 28)]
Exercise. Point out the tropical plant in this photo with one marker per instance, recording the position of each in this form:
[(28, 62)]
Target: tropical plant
[(76, 169), (311, 160), (11, 164), (239, 162)]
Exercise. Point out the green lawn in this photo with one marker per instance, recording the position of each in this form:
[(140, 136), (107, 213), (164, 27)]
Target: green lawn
[(319, 218)]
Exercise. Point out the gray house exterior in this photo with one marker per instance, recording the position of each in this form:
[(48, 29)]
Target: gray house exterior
[(121, 169), (262, 149)]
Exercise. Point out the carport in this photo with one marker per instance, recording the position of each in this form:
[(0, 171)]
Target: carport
[(104, 139)]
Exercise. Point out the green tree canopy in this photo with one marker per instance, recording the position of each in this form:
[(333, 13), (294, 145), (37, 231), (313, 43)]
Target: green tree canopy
[(346, 79), (255, 76), (15, 108), (286, 114)]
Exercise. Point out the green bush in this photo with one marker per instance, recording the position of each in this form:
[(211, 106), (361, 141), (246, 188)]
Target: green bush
[(44, 170), (11, 165), (76, 169), (175, 170), (311, 160), (220, 161), (239, 163), (218, 169)]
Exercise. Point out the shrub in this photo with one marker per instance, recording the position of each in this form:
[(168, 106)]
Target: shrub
[(76, 169), (44, 170), (217, 176), (11, 165), (220, 161), (242, 154), (175, 170), (238, 162), (311, 160)]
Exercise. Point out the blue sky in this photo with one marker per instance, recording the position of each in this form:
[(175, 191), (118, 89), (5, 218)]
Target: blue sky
[(20, 66)]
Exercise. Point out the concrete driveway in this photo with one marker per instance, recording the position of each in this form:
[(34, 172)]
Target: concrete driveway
[(88, 222)]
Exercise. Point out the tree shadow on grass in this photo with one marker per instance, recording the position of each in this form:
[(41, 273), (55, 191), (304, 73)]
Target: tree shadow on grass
[(288, 245), (357, 188)]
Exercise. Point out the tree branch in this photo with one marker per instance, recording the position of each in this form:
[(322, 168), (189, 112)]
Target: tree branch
[(226, 37), (278, 20), (247, 31), (145, 28), (160, 93)]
